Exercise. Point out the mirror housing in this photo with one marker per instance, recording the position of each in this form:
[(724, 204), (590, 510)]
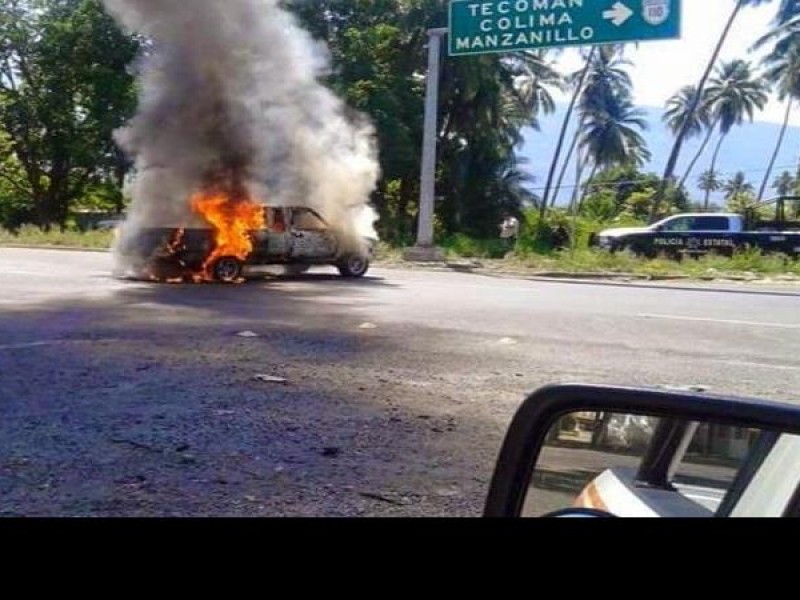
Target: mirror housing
[(528, 431)]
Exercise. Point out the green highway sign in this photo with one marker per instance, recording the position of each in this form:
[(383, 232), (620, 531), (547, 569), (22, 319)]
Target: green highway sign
[(480, 27)]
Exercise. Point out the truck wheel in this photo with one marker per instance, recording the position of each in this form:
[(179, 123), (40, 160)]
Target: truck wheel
[(354, 266), (227, 270)]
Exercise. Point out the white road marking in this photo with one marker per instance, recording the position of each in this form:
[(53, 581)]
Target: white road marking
[(26, 346), (743, 363), (25, 273), (722, 321)]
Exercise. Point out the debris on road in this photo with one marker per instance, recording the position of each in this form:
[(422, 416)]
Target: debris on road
[(271, 379), (385, 498), (368, 326), (247, 334)]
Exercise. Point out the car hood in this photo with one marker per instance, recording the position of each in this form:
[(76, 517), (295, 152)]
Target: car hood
[(623, 231)]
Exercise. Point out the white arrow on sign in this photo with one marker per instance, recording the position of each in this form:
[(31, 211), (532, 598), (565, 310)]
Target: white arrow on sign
[(618, 14)]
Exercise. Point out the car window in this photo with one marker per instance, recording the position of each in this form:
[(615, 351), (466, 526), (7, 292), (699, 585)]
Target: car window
[(711, 224), (275, 220), (682, 224), (305, 219)]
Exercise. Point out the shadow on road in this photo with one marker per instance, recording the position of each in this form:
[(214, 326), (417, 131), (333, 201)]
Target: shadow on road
[(149, 403)]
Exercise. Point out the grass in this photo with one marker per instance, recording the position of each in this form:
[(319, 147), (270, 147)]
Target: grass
[(33, 236), (747, 263)]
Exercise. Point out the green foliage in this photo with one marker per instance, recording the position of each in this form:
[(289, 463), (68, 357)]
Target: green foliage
[(380, 58), (746, 263), (741, 202), (30, 235), (625, 193), (64, 88), (462, 245)]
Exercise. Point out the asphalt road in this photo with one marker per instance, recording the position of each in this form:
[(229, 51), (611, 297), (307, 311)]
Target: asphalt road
[(122, 398)]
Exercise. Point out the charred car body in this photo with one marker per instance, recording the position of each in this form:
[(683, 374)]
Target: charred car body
[(296, 237)]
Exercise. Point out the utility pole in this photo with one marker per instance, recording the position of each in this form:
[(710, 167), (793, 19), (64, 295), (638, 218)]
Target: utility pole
[(425, 251)]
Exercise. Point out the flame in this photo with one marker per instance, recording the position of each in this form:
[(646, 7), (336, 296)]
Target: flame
[(232, 221)]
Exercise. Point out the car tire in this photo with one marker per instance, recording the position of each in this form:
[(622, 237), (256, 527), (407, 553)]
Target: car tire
[(353, 266), (227, 269)]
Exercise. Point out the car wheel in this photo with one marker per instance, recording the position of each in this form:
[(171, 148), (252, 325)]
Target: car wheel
[(227, 270), (354, 265)]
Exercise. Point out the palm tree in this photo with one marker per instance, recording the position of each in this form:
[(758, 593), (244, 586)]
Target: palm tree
[(737, 186), (785, 184), (486, 102), (709, 182), (578, 83), (679, 110), (611, 137), (783, 71), (733, 94), (606, 79), (680, 138)]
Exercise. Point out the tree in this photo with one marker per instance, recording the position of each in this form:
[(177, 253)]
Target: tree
[(783, 71), (611, 134), (742, 202), (785, 184), (630, 191), (379, 62), (14, 209), (604, 77), (733, 95), (64, 89), (709, 183), (578, 82), (680, 138), (680, 108), (606, 133), (737, 186)]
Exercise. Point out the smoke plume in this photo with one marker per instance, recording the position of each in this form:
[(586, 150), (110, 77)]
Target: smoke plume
[(230, 97)]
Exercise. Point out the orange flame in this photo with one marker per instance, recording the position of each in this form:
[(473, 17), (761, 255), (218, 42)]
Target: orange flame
[(232, 221)]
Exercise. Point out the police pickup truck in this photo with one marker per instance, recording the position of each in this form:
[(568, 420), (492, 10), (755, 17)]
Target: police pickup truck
[(703, 233)]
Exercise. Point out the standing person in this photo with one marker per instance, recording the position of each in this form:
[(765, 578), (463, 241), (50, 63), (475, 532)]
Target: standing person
[(561, 239), (509, 232)]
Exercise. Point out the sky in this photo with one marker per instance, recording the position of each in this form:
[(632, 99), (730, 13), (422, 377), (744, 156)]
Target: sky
[(663, 67)]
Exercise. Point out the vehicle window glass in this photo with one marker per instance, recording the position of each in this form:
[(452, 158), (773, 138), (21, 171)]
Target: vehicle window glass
[(684, 224), (713, 458), (275, 220), (711, 224), (304, 219)]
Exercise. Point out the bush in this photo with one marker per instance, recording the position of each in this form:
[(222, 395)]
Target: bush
[(465, 246), (33, 236)]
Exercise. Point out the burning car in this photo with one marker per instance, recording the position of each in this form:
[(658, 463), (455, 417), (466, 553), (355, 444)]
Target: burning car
[(232, 245)]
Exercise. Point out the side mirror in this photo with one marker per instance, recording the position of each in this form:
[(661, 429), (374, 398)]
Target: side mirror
[(596, 451)]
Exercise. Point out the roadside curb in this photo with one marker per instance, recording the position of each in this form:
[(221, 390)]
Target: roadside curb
[(608, 279)]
